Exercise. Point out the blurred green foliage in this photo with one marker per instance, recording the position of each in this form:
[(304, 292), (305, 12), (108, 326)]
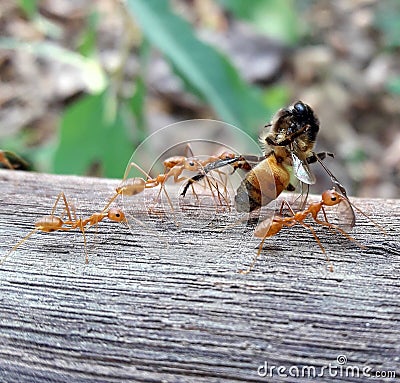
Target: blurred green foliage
[(274, 18), (204, 70), (93, 131), (387, 21), (29, 7), (104, 126)]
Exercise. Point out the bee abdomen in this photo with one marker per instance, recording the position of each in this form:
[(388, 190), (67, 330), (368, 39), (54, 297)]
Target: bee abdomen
[(262, 185)]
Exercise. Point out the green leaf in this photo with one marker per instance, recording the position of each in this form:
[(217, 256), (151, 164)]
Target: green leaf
[(91, 133), (137, 106), (136, 103), (206, 70), (275, 18), (387, 19), (29, 7), (276, 96), (393, 85), (88, 38), (92, 73)]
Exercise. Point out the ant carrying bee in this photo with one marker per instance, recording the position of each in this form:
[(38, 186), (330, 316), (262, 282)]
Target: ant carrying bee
[(272, 226), (288, 143)]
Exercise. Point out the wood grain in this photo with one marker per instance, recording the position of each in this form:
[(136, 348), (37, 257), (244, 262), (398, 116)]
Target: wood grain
[(159, 303)]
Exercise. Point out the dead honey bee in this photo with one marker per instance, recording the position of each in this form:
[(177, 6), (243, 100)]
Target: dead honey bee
[(288, 144), (293, 132)]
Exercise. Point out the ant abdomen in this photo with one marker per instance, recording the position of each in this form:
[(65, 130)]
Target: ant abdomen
[(49, 223), (132, 186)]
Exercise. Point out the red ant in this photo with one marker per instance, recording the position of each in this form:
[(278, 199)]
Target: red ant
[(17, 161), (272, 226), (174, 167), (51, 223)]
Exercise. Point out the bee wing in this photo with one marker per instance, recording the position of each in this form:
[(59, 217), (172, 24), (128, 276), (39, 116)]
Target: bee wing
[(341, 215), (347, 218), (302, 170)]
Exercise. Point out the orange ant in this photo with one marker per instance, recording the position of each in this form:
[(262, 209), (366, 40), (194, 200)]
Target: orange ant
[(51, 223), (274, 225), (17, 161), (174, 167)]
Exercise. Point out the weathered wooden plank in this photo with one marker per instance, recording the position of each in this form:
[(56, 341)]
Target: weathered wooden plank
[(147, 312)]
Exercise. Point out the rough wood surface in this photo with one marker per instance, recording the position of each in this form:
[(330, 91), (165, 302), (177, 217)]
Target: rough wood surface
[(145, 311)]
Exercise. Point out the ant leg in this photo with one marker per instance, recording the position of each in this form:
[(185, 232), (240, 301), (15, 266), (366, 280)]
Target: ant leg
[(66, 205), (253, 262), (218, 197), (188, 151), (5, 161), (212, 186), (137, 167), (82, 228), (19, 244), (150, 183), (319, 243), (285, 202), (333, 227), (162, 187), (224, 183), (276, 227), (224, 193)]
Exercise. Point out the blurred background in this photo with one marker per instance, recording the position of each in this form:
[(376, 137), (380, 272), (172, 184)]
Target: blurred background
[(84, 82)]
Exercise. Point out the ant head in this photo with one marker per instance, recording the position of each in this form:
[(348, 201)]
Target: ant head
[(331, 197), (191, 164), (116, 215)]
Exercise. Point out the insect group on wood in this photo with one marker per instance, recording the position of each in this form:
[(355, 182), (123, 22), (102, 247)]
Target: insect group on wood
[(288, 151)]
